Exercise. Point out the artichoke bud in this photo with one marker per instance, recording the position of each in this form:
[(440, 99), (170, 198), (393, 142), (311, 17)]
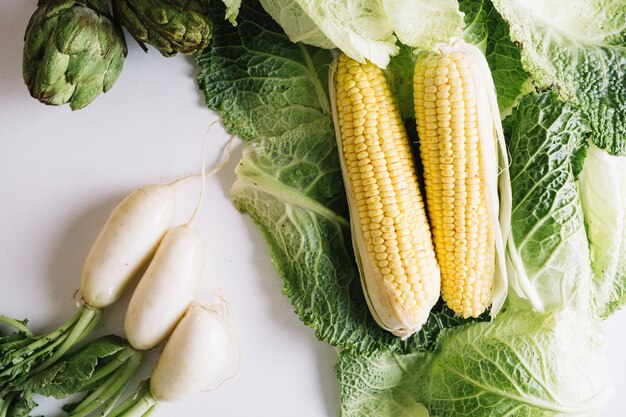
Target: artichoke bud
[(171, 26), (73, 51)]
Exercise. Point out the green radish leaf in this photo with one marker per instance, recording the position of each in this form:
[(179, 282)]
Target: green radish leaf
[(69, 376)]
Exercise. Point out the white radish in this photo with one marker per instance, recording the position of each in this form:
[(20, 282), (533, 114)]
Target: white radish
[(166, 289), (130, 237), (126, 242), (169, 284), (194, 356)]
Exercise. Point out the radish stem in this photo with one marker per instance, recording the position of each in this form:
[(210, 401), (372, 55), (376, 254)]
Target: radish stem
[(107, 393), (139, 404), (17, 325), (192, 177), (5, 403), (87, 320), (121, 358), (36, 354)]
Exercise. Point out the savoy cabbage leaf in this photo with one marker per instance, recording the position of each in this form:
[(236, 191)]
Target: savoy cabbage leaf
[(261, 83), (549, 262), (603, 196), (359, 28), (273, 94), (383, 384), (367, 29), (519, 365), (232, 10), (577, 48), (424, 23)]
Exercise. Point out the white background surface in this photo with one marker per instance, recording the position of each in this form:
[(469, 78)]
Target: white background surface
[(62, 172)]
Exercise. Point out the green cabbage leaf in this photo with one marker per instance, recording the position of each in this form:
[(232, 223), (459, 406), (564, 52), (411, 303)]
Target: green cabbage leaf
[(577, 48), (548, 257), (272, 93), (232, 10), (603, 196), (517, 365), (367, 29)]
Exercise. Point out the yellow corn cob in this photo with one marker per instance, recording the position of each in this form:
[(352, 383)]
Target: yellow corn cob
[(390, 232), (458, 134)]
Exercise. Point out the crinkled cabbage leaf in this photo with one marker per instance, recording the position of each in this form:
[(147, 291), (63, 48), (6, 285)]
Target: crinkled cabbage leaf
[(548, 256), (518, 365), (603, 195), (232, 10), (272, 93), (383, 384), (578, 48), (367, 29)]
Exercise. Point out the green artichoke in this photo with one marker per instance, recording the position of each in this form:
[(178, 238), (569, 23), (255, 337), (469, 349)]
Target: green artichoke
[(73, 51), (171, 26)]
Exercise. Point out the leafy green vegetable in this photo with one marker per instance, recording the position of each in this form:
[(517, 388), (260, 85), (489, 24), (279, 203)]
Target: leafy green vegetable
[(103, 367), (296, 23), (20, 358), (262, 84), (548, 253), (603, 196), (289, 178), (232, 10), (520, 365), (20, 330), (360, 28), (517, 365), (104, 383), (75, 373), (364, 29), (17, 404), (424, 23), (382, 384), (41, 365), (579, 50)]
